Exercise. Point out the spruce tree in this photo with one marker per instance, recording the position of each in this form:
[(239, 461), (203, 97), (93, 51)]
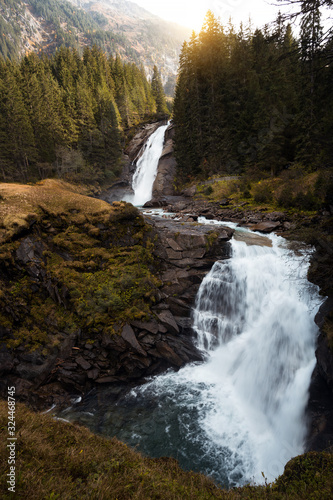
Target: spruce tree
[(158, 93)]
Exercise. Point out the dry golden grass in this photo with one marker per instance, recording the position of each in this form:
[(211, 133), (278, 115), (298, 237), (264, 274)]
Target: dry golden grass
[(21, 204)]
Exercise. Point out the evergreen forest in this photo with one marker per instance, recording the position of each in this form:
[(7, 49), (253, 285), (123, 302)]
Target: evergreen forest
[(258, 101), (66, 115)]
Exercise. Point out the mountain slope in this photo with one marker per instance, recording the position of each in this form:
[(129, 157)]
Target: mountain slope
[(143, 29), (117, 27)]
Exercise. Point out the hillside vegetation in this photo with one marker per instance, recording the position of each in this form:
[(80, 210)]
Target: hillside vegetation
[(87, 265), (259, 102), (116, 28)]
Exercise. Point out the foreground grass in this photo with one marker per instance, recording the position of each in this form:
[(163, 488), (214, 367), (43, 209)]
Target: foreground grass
[(57, 460)]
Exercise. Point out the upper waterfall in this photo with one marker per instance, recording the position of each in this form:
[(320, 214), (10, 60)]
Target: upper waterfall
[(146, 171)]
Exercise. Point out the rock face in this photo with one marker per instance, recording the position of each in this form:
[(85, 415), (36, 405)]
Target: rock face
[(320, 405), (78, 358), (163, 185), (187, 252)]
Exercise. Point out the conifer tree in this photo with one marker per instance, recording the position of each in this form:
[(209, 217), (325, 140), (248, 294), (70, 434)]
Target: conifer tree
[(17, 149), (158, 93)]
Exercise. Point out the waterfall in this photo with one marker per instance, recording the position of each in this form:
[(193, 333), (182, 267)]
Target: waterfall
[(146, 170), (253, 314), (240, 414)]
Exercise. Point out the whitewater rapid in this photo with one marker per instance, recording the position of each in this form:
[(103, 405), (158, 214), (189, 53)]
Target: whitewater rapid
[(239, 416)]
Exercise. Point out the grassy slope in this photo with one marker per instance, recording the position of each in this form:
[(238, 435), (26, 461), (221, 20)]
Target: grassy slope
[(99, 253), (60, 460)]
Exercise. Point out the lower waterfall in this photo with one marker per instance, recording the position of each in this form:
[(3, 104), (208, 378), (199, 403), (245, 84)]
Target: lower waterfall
[(240, 415)]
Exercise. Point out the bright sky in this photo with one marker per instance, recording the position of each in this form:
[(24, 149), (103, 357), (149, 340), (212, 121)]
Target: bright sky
[(191, 13)]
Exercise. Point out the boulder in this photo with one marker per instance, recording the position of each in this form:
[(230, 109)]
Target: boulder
[(149, 326), (83, 363), (169, 354), (252, 239), (265, 227), (190, 192), (129, 336), (155, 203), (167, 319)]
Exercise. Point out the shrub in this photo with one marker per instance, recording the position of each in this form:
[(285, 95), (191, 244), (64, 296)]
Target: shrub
[(262, 193)]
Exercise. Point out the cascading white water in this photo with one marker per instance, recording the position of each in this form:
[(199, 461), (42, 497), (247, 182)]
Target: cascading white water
[(254, 309), (254, 319), (146, 170)]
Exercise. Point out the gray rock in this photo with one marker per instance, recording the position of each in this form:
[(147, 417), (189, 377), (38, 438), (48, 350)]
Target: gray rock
[(83, 363), (93, 374), (174, 245), (169, 354), (167, 319), (150, 326), (190, 192), (265, 227), (129, 336)]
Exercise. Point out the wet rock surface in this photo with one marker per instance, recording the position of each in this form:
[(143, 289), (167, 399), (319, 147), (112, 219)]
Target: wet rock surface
[(320, 404), (166, 170)]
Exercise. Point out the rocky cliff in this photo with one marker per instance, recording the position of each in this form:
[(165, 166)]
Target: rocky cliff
[(91, 293), (132, 154), (166, 170)]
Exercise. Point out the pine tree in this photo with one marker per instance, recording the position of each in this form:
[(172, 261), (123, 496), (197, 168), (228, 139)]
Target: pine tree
[(158, 93), (17, 150)]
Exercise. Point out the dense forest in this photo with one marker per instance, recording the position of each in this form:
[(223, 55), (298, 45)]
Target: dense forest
[(65, 115), (257, 101)]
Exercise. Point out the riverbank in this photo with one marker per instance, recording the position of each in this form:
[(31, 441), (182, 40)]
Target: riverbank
[(48, 247), (93, 294)]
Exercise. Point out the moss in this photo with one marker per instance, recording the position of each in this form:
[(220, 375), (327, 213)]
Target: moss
[(97, 271), (307, 476), (73, 240), (211, 238)]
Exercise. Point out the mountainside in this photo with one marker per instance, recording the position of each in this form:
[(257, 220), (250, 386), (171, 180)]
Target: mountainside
[(116, 27), (144, 31)]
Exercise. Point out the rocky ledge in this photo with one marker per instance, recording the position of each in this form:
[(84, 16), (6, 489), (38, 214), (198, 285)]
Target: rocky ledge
[(93, 295)]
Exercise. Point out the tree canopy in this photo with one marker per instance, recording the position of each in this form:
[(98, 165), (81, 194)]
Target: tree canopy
[(66, 115), (254, 99)]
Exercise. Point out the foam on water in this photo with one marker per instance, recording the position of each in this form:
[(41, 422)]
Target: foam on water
[(241, 412)]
